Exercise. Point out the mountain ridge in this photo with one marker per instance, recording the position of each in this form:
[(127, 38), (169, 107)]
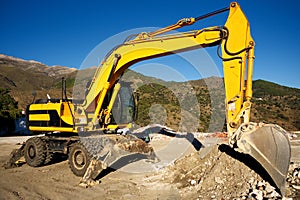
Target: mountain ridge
[(31, 65), (272, 102)]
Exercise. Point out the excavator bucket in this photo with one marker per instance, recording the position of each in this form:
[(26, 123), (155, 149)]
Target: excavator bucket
[(269, 145)]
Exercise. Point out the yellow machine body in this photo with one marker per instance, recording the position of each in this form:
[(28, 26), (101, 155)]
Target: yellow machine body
[(50, 117)]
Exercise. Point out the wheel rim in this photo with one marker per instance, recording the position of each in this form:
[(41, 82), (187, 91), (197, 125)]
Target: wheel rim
[(31, 152), (79, 159)]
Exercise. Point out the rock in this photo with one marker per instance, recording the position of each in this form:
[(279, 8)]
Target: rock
[(257, 194), (297, 187), (193, 182), (269, 188), (251, 180), (260, 184), (295, 174), (219, 180)]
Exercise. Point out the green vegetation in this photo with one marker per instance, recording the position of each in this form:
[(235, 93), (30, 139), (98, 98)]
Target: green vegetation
[(8, 111), (149, 96), (181, 106), (264, 88), (69, 83), (273, 103)]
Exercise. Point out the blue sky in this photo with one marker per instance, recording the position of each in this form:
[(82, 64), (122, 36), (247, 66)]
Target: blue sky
[(65, 32)]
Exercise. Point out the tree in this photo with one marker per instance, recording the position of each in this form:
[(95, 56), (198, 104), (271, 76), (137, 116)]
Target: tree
[(9, 111)]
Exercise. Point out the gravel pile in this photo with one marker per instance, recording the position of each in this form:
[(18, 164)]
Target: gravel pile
[(293, 181), (260, 190), (220, 175)]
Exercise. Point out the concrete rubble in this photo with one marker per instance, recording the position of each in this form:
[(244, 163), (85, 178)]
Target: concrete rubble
[(219, 176)]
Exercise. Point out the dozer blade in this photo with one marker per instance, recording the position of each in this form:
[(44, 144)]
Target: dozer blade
[(269, 145), (16, 158), (109, 149)]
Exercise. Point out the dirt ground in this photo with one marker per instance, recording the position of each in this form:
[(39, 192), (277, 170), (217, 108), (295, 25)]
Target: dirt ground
[(183, 173)]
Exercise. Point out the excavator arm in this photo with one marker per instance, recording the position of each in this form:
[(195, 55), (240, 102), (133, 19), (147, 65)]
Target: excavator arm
[(238, 59), (237, 50)]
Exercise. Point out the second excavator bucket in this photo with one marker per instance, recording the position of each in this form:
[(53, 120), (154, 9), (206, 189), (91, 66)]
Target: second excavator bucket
[(269, 145)]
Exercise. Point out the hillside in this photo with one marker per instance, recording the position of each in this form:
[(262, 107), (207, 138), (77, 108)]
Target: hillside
[(180, 105), (276, 104), (23, 77), (271, 103)]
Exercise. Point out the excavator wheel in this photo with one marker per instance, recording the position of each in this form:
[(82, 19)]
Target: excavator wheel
[(49, 157), (79, 159), (35, 152)]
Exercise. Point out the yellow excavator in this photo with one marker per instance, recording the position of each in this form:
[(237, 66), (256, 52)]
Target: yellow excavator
[(87, 132)]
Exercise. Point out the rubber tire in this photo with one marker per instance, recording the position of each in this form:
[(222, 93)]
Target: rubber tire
[(35, 152), (48, 158), (79, 159)]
